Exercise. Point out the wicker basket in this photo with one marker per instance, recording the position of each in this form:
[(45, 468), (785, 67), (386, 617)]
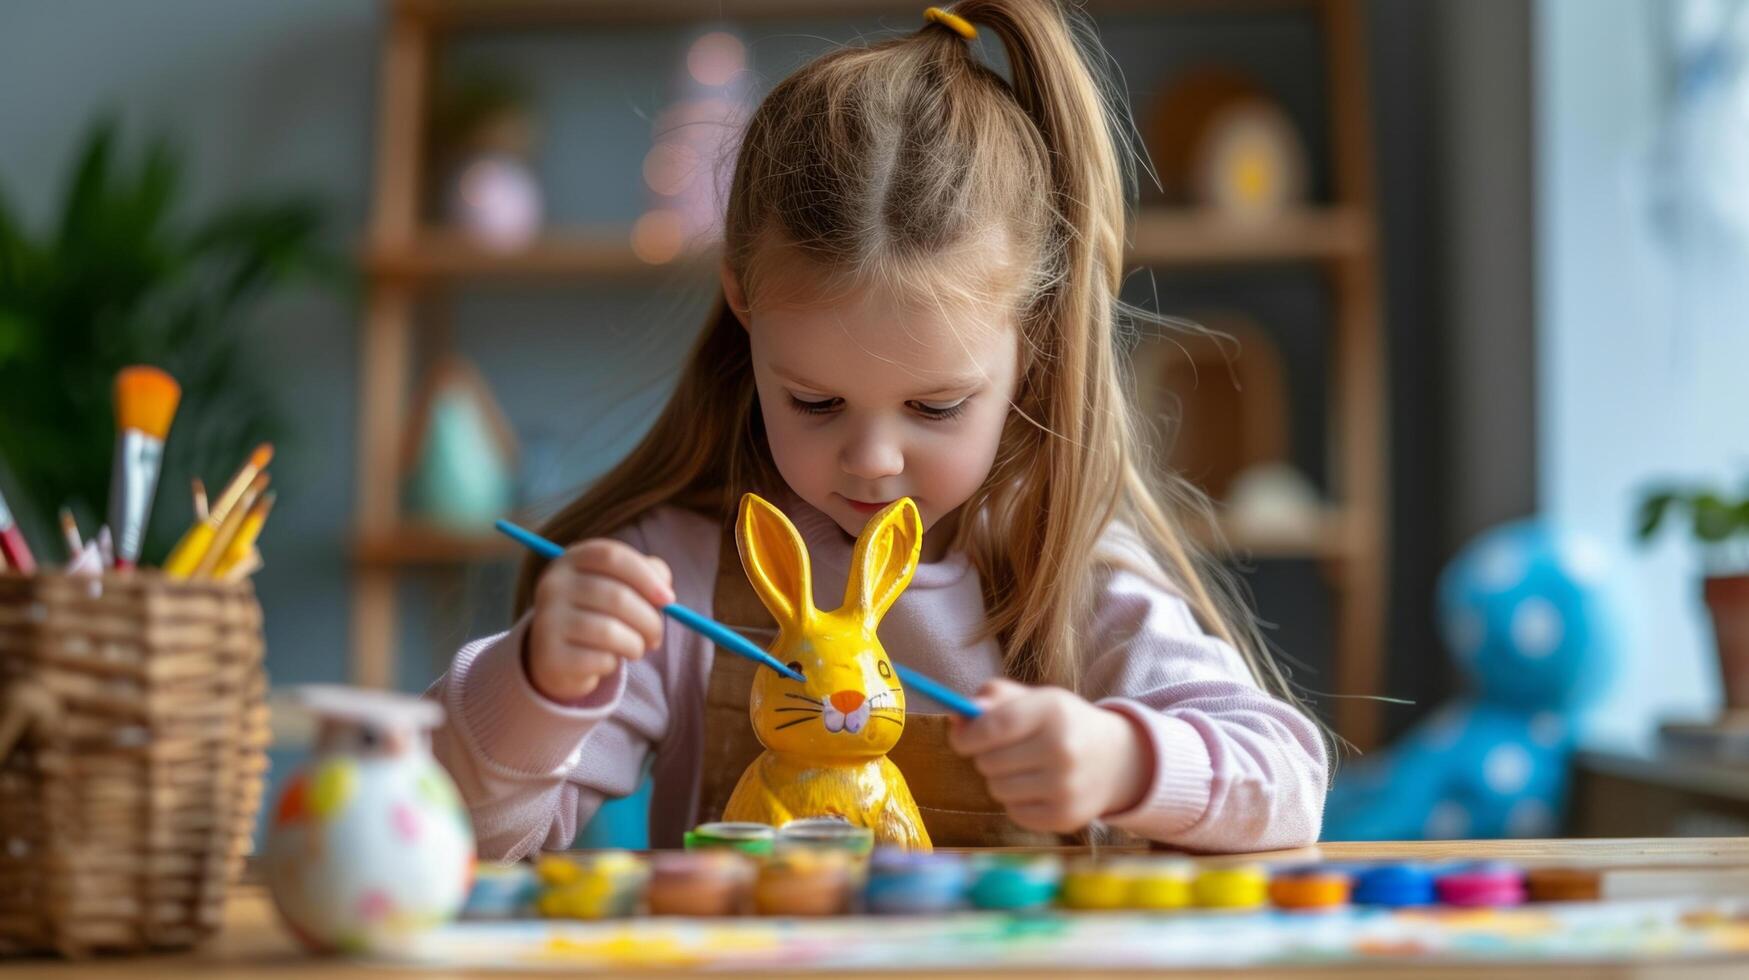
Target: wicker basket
[(133, 730)]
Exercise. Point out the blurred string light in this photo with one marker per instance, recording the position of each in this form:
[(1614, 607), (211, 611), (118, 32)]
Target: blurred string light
[(692, 155)]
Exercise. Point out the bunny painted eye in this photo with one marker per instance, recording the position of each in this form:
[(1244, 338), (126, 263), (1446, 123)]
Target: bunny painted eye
[(886, 672), (795, 665)]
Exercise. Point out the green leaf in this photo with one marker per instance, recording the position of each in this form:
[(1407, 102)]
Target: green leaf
[(120, 280), (1652, 511), (1714, 520)]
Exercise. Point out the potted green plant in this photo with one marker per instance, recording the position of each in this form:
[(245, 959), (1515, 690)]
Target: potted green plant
[(1719, 524), (122, 276)]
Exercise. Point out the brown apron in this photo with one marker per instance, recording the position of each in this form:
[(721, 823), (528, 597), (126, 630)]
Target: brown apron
[(949, 790)]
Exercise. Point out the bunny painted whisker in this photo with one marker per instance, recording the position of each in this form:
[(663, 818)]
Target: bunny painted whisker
[(837, 766)]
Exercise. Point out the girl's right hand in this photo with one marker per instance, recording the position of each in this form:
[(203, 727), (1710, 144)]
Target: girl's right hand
[(594, 606)]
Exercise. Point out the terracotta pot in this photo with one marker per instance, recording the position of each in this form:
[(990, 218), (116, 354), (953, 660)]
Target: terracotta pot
[(1727, 597)]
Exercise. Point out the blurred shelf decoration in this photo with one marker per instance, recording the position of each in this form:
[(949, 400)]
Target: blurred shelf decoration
[(462, 466), (484, 139), (1217, 394), (1241, 197), (1219, 142)]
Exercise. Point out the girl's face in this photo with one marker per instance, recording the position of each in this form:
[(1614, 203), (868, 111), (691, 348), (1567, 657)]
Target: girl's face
[(868, 399)]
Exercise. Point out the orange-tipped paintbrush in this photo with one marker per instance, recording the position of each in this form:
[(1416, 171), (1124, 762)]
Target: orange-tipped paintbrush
[(145, 404)]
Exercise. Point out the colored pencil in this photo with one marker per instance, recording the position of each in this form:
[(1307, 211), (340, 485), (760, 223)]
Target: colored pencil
[(13, 547)]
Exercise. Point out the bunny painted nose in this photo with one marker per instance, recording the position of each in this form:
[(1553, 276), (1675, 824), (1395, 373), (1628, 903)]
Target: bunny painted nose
[(847, 701)]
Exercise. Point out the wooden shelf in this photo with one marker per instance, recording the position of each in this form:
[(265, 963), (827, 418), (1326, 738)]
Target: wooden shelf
[(1183, 236), (1327, 540), (1162, 237), (416, 544), (571, 254)]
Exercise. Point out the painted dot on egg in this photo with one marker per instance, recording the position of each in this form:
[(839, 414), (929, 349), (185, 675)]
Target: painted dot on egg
[(1500, 567), (1537, 628), (1506, 768), (1546, 728), (1447, 820), (1464, 632), (406, 821), (1530, 818), (1445, 728)]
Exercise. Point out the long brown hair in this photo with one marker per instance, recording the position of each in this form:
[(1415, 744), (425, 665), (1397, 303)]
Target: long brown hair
[(891, 160)]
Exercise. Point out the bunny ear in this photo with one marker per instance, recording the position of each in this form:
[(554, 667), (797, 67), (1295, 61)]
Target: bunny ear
[(886, 555), (776, 561)]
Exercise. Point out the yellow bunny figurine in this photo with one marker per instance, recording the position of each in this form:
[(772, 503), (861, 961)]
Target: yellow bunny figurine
[(826, 737)]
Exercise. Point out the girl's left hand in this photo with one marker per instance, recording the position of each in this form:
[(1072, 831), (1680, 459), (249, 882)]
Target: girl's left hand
[(1055, 761)]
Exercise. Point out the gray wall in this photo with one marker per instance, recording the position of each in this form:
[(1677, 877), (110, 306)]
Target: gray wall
[(1484, 144)]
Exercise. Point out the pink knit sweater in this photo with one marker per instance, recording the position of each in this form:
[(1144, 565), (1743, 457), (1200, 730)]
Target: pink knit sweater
[(1235, 769)]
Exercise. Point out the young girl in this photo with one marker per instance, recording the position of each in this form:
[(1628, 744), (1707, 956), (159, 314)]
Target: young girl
[(919, 299)]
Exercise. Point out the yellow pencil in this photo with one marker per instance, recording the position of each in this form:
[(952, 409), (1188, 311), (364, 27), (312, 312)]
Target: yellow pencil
[(243, 545), (250, 564), (221, 508), (227, 531), (198, 539)]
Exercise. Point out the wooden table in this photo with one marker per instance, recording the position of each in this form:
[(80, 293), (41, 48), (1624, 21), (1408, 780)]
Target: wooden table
[(253, 946)]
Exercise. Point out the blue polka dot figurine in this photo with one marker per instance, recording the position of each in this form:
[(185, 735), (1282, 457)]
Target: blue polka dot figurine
[(1529, 614)]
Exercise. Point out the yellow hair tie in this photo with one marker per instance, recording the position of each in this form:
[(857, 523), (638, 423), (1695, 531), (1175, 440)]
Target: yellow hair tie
[(952, 21)]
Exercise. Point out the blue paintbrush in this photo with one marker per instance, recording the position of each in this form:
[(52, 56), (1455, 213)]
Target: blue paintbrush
[(709, 628), (734, 642)]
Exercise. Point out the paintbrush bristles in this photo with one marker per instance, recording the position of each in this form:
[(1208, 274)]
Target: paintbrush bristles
[(146, 399)]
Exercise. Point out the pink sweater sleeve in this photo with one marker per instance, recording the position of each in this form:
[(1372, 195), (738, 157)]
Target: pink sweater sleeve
[(1234, 768), (532, 770)]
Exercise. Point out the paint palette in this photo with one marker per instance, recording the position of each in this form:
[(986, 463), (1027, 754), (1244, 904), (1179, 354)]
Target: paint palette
[(835, 856), (817, 907)]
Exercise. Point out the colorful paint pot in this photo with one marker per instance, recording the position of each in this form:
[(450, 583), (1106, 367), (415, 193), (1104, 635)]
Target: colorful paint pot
[(748, 838), (902, 882), (1477, 885), (714, 882), (1563, 885), (805, 883), (1091, 885), (824, 833), (1014, 881), (1311, 888), (502, 891), (595, 885), (1393, 886), (1236, 886), (1160, 884)]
